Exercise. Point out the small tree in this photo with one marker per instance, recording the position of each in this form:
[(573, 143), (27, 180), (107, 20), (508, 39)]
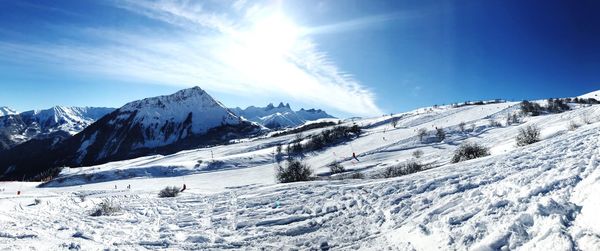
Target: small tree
[(422, 133), (515, 118), (293, 171), (169, 192), (417, 154), (467, 151), (529, 135), (440, 134), (394, 121)]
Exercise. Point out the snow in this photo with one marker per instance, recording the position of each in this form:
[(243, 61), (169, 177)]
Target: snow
[(27, 125), (538, 197), (281, 116), (153, 113), (594, 95), (6, 111)]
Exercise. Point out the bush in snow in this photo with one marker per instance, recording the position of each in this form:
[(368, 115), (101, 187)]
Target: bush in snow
[(573, 126), (467, 151), (422, 133), (402, 169), (557, 106), (326, 138), (293, 171), (106, 208), (440, 134), (586, 119), (529, 135), (417, 154), (335, 167), (169, 192), (494, 123), (533, 109), (394, 122)]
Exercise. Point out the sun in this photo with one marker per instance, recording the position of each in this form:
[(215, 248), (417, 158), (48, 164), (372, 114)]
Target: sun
[(274, 35)]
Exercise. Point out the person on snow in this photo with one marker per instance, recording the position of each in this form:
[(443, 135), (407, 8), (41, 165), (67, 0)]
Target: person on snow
[(354, 156), (184, 187)]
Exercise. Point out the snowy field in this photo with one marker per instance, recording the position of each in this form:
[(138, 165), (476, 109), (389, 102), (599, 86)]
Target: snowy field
[(539, 197)]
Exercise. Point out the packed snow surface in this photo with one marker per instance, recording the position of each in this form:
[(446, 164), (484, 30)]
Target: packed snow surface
[(538, 197)]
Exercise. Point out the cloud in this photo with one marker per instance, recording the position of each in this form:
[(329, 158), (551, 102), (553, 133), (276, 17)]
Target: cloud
[(216, 47)]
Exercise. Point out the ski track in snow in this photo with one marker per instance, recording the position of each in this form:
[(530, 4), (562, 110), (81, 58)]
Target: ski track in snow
[(539, 197)]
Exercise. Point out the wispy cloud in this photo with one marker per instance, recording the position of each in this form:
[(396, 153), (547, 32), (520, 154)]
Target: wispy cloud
[(213, 47)]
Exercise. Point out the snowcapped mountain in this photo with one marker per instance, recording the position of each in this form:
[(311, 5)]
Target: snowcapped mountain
[(58, 121), (186, 119), (281, 116), (6, 111)]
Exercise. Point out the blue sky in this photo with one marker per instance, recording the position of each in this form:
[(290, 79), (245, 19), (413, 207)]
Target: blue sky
[(350, 57)]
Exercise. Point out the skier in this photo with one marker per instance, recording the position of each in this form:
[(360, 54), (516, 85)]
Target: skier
[(184, 187), (354, 157), (129, 186)]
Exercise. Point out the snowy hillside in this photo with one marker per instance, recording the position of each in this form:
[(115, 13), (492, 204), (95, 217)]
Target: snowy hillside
[(58, 121), (281, 116), (6, 111), (594, 95), (536, 197)]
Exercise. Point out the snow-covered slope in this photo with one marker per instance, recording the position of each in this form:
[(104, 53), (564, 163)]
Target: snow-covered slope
[(538, 197), (58, 121), (594, 95), (281, 116), (6, 111)]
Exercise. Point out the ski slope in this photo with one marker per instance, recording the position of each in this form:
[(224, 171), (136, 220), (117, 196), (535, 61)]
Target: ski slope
[(537, 197)]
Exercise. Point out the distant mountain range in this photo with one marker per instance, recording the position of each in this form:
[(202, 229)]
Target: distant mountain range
[(58, 122), (281, 116), (187, 119)]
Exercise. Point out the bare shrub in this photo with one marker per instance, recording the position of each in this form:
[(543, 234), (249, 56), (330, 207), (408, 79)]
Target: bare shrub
[(402, 169), (394, 122), (422, 133), (494, 123), (169, 191), (106, 208), (529, 135), (440, 134), (586, 119), (335, 167), (293, 171), (573, 126), (467, 151), (417, 154)]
